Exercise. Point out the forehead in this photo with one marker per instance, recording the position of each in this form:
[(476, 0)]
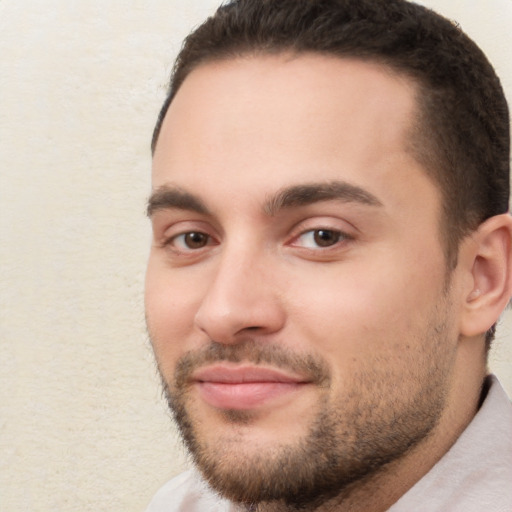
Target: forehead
[(242, 123)]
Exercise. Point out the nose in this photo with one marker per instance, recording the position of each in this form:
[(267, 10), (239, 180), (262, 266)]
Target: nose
[(243, 300)]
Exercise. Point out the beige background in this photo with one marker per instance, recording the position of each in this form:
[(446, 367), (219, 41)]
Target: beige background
[(82, 424)]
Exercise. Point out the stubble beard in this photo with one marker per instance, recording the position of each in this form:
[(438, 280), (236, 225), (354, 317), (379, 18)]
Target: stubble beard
[(350, 438)]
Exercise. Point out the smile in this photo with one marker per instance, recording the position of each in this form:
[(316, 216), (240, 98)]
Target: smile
[(242, 388)]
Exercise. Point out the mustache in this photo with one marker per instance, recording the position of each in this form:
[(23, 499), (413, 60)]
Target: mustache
[(312, 367)]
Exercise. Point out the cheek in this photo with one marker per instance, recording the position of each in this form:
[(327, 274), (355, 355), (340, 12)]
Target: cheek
[(362, 308), (170, 305)]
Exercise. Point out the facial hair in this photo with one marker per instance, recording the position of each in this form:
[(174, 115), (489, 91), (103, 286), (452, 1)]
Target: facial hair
[(351, 436)]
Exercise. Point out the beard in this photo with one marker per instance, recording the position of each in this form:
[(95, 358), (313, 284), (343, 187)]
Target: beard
[(385, 409)]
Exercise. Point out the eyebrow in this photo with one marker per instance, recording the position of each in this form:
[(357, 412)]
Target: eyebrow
[(168, 197), (303, 195)]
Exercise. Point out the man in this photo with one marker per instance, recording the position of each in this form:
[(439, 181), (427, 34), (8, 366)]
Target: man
[(331, 251)]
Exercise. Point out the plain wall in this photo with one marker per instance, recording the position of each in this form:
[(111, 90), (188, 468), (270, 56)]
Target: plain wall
[(82, 424)]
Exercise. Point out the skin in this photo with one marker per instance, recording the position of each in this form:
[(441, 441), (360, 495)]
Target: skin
[(398, 345)]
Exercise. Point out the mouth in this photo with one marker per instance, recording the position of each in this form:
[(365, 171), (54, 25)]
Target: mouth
[(244, 387)]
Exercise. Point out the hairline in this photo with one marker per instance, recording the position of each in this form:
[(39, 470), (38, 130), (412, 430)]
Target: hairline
[(417, 139)]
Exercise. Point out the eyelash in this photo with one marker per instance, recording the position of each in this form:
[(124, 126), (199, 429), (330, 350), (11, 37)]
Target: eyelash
[(317, 235), (171, 241), (320, 235)]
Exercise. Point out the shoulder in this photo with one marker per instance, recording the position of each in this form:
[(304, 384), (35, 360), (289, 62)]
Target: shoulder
[(187, 492)]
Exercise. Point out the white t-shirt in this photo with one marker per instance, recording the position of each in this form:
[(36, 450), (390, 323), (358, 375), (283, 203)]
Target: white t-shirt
[(475, 475)]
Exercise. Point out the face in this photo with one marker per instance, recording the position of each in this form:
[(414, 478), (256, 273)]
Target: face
[(296, 290)]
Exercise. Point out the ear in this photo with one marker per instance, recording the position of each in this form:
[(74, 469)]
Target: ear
[(488, 259)]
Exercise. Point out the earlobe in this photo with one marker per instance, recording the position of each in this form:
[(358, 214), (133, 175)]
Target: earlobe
[(489, 261)]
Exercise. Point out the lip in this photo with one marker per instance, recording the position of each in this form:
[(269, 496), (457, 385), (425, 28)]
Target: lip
[(244, 387)]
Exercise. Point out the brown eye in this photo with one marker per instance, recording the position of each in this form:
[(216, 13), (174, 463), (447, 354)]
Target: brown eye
[(320, 238), (326, 237), (192, 240), (195, 240)]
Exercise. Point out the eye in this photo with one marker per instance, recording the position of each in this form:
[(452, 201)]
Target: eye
[(192, 240), (316, 238)]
